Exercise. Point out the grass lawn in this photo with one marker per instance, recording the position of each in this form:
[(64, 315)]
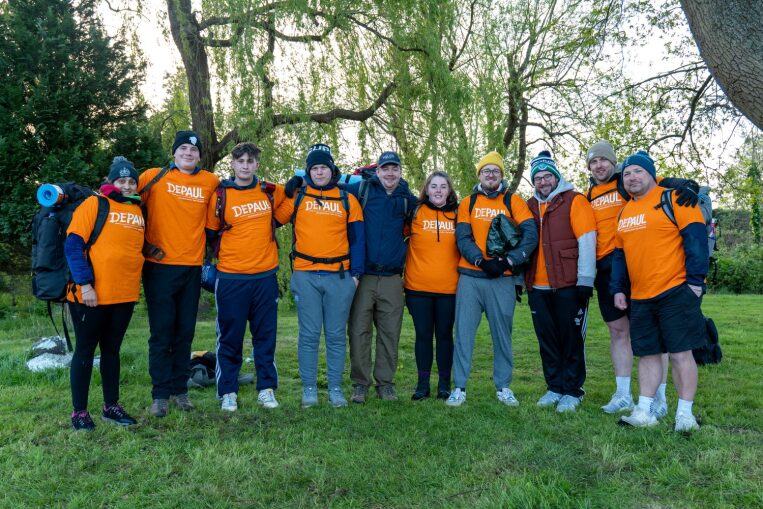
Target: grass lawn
[(394, 454)]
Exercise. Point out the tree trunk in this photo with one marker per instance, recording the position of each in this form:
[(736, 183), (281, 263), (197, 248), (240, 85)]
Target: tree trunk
[(185, 33), (730, 41)]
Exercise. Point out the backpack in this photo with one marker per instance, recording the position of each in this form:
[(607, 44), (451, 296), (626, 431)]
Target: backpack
[(710, 352), (151, 250), (209, 269), (343, 197), (363, 195), (705, 206), (50, 272)]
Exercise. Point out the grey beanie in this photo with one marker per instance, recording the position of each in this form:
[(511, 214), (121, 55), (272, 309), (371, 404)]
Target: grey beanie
[(603, 149)]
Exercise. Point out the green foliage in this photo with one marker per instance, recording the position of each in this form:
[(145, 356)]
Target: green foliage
[(65, 87), (741, 270)]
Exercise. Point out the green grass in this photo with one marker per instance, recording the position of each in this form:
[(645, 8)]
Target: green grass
[(400, 454)]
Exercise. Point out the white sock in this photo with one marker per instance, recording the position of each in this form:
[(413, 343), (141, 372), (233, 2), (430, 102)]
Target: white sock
[(645, 403), (623, 385), (684, 407), (661, 391)]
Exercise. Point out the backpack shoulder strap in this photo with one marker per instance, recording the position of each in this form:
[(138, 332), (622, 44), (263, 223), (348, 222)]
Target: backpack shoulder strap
[(297, 202), (159, 176), (100, 221), (472, 202), (507, 201), (589, 193), (666, 204), (221, 200), (344, 196), (621, 190), (363, 193), (269, 188)]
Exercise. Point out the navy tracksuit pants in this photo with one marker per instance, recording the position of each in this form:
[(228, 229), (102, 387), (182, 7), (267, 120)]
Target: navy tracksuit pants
[(242, 301)]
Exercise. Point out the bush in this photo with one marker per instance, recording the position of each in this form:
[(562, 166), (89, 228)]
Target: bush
[(740, 270)]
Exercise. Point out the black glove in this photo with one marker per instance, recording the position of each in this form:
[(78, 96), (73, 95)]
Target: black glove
[(686, 197), (292, 185), (584, 293), (493, 267)]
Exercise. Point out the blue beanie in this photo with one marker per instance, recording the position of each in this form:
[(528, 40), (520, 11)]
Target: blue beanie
[(189, 137), (544, 162), (642, 159), (122, 167), (320, 153)]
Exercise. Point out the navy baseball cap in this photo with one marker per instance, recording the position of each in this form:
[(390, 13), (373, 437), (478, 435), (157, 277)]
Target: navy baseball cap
[(388, 157)]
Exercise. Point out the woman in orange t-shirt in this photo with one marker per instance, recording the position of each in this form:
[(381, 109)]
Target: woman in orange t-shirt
[(106, 287), (431, 278)]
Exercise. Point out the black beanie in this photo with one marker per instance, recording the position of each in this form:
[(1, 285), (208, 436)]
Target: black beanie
[(320, 153), (183, 137), (122, 167)]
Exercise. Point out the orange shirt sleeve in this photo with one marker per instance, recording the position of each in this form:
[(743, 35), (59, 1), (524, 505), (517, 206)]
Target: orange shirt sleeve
[(356, 211), (582, 217), (519, 209)]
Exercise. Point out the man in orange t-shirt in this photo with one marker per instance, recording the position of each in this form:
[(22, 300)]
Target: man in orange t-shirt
[(176, 204), (488, 285), (665, 261), (246, 290), (560, 281)]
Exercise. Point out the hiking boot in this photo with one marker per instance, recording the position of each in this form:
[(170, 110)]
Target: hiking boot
[(443, 389), (456, 398), (309, 396), (386, 392), (359, 393), (640, 418), (686, 423), (81, 421), (551, 398), (506, 396), (568, 404), (336, 397), (182, 401), (267, 398), (159, 408), (116, 414), (659, 407), (229, 403), (422, 390), (618, 403)]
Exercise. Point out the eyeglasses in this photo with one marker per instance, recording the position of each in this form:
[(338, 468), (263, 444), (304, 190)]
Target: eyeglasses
[(490, 171), (543, 178)]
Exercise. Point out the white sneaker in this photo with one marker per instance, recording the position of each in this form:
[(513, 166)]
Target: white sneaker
[(686, 423), (639, 418), (568, 404), (618, 403), (551, 398), (659, 407), (229, 402), (506, 396), (456, 398), (267, 398)]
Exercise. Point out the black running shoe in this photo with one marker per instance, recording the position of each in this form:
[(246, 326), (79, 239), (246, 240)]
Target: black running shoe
[(81, 421), (117, 415)]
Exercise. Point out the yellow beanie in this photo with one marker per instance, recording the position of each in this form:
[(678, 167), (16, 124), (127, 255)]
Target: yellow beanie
[(490, 158)]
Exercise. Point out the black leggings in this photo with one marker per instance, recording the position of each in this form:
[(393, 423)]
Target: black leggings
[(103, 326), (433, 314)]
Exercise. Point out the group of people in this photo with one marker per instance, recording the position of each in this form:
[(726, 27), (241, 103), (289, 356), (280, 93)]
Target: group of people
[(362, 252)]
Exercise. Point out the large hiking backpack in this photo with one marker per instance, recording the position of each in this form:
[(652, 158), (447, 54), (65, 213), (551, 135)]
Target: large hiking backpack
[(50, 272)]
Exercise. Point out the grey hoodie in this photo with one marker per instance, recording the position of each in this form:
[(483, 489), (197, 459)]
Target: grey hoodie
[(586, 242)]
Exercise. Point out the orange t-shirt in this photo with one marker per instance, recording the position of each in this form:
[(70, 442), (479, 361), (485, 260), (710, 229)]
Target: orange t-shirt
[(177, 212), (607, 204), (321, 227), (653, 245), (248, 246), (582, 221), (485, 209), (116, 255), (431, 264)]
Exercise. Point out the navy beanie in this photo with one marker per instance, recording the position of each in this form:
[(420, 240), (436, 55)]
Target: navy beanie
[(122, 167), (544, 162), (642, 159), (183, 137), (320, 153)]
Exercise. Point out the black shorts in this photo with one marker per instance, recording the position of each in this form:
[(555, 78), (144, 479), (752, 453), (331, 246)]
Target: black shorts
[(670, 323), (606, 300)]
